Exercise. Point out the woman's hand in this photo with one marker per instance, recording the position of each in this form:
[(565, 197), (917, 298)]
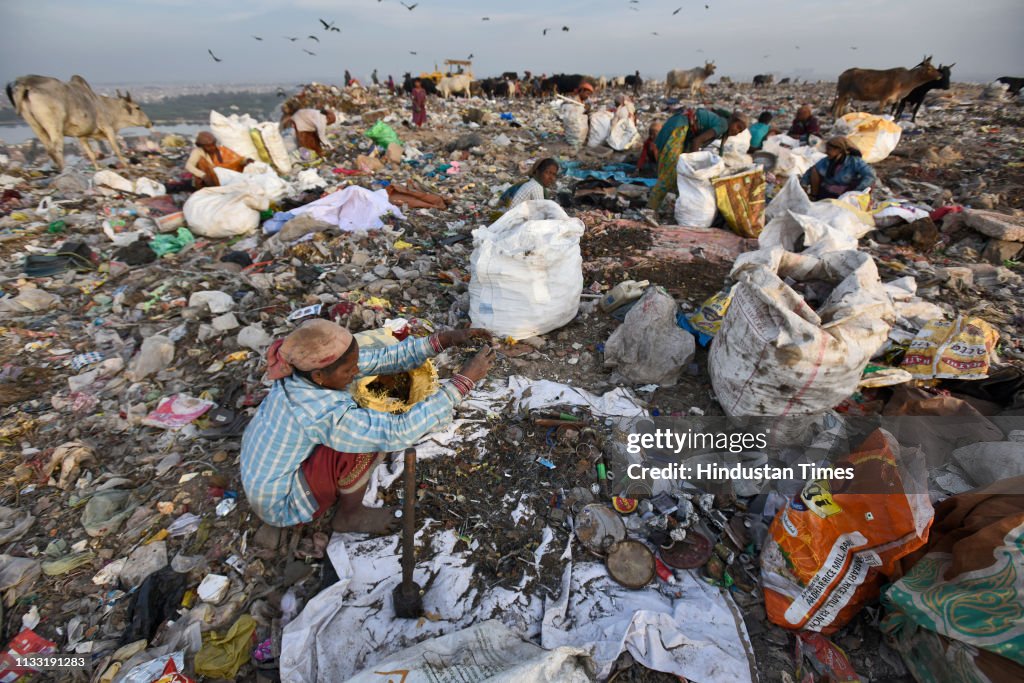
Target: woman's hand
[(477, 367), (451, 338)]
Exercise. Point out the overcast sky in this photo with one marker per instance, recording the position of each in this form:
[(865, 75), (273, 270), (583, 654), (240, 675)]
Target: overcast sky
[(163, 41)]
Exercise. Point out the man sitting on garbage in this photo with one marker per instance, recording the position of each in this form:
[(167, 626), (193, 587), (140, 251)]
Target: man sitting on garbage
[(311, 128), (207, 156), (842, 170), (804, 124), (310, 445)]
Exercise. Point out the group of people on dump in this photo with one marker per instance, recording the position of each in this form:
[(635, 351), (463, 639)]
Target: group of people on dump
[(310, 447)]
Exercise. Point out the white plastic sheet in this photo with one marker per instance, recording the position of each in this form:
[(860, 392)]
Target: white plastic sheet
[(349, 630), (258, 175), (353, 209), (526, 271)]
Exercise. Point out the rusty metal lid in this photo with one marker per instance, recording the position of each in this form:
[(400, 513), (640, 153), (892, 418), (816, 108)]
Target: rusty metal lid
[(630, 563), (599, 528), (690, 553)]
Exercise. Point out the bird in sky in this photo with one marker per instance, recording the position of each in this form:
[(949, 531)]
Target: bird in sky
[(257, 38), (654, 33), (565, 28), (470, 56), (852, 47), (313, 38), (328, 27), (411, 52), (677, 11), (308, 52), (545, 31), (289, 38), (707, 6), (215, 58), (410, 7), (486, 19), (765, 56)]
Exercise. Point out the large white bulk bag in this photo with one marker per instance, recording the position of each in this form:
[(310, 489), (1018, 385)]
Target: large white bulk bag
[(695, 205), (225, 211), (233, 132), (600, 126), (526, 271), (875, 136), (777, 356)]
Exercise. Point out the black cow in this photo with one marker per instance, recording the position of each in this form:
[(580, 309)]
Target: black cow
[(764, 79), (495, 87), (916, 96), (635, 82), (510, 76), (1014, 83), (562, 83), (428, 84), (784, 81)]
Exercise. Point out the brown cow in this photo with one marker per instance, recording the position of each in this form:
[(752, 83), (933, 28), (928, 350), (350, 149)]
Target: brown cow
[(886, 86)]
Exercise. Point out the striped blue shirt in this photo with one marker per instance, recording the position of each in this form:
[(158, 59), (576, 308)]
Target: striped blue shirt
[(297, 416)]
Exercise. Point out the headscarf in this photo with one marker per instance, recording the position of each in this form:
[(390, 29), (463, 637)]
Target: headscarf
[(312, 346), (843, 144), (586, 86)]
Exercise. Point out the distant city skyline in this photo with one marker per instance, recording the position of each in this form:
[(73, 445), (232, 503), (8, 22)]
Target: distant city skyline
[(169, 41)]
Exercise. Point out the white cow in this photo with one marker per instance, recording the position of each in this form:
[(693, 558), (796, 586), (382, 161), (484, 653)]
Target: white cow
[(692, 78), (453, 85), (54, 109)]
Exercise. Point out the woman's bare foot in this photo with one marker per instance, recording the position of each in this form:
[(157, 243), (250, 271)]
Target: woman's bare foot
[(365, 520)]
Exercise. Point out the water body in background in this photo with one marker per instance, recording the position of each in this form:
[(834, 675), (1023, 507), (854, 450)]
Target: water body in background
[(13, 135)]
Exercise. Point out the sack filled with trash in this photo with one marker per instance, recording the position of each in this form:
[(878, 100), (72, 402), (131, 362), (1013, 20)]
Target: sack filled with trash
[(799, 331), (526, 271)]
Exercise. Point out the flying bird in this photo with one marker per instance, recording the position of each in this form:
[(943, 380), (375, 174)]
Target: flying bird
[(545, 31), (677, 11), (308, 52), (486, 19), (707, 6), (852, 47), (215, 58), (257, 38), (470, 57), (654, 33), (289, 38), (565, 28), (410, 7), (313, 38), (411, 52), (328, 27)]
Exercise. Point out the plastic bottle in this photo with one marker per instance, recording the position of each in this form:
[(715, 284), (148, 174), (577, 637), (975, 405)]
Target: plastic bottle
[(622, 293)]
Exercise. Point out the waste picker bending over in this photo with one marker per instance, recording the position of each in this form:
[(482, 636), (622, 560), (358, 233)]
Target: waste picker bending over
[(310, 445), (311, 128), (688, 131), (842, 170)]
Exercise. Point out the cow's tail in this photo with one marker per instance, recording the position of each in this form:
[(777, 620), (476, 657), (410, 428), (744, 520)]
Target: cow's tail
[(10, 95)]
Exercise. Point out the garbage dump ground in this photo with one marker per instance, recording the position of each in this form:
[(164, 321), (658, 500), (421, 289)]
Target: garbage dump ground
[(885, 331)]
